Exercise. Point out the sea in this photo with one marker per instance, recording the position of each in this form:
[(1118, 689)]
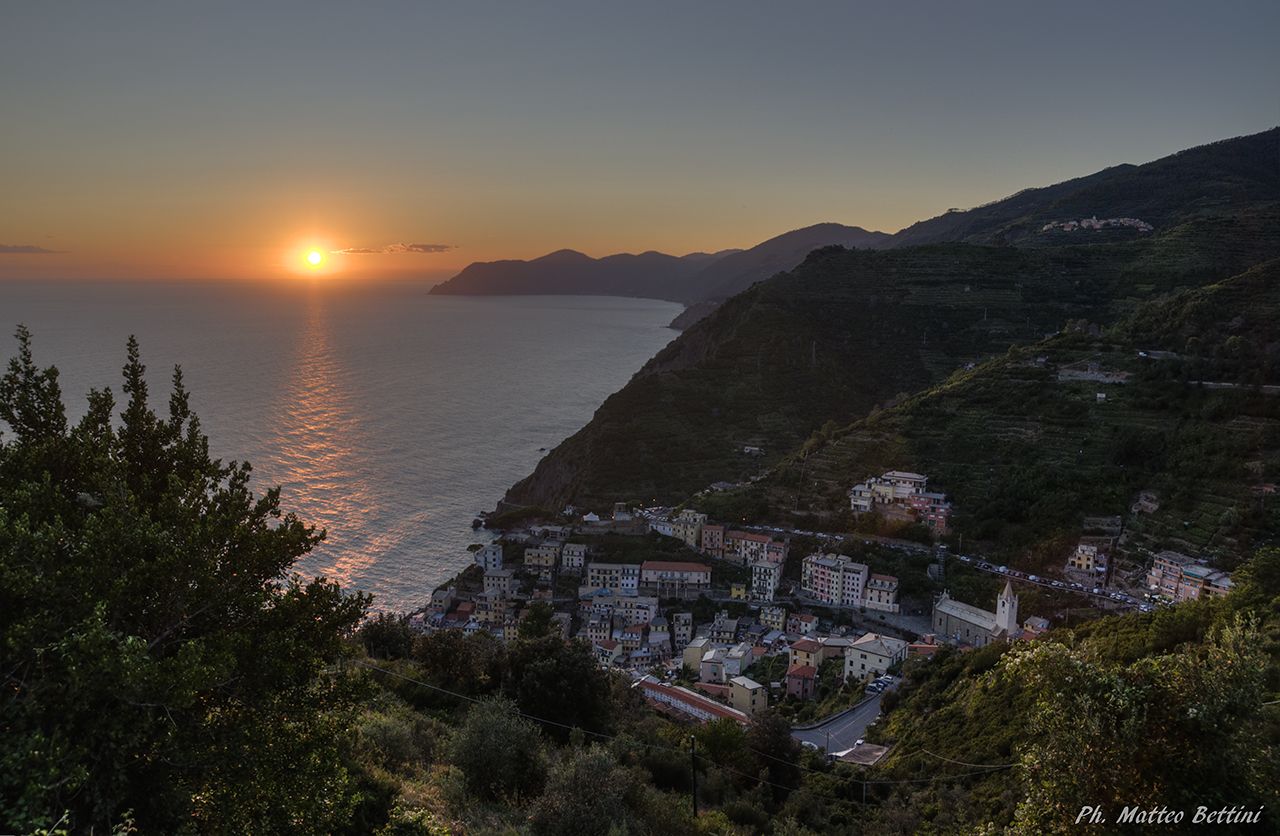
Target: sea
[(388, 417)]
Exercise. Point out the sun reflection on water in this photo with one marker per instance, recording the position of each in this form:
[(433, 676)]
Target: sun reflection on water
[(319, 434)]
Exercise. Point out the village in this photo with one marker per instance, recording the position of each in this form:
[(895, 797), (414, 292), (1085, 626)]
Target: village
[(712, 621)]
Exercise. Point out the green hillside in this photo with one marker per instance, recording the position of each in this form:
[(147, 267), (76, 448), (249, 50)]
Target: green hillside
[(1025, 455), (851, 330), (1173, 708)]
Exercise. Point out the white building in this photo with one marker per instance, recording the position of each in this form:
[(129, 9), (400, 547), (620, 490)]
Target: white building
[(873, 655), (573, 557), (765, 577), (497, 583), (489, 557)]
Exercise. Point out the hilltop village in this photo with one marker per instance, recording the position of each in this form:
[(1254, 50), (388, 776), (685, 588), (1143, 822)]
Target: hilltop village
[(713, 620)]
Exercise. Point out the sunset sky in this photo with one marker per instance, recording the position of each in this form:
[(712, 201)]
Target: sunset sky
[(179, 140)]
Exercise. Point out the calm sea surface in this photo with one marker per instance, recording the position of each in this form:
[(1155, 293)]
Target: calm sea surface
[(388, 416)]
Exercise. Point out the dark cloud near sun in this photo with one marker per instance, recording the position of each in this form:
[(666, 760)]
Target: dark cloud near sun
[(397, 248), (25, 249)]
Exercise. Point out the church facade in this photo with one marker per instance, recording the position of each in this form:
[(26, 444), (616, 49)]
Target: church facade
[(961, 623)]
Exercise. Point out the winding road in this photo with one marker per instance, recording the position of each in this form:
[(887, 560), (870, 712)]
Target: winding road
[(840, 731)]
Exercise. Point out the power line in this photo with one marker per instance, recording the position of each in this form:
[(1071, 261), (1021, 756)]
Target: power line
[(965, 763)]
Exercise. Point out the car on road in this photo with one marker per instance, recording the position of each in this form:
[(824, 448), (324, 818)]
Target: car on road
[(965, 558), (1032, 578), (1004, 570), (808, 744), (859, 742)]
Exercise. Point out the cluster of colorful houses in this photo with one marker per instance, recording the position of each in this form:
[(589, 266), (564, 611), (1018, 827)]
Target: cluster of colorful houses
[(1096, 223), (632, 617), (764, 555), (904, 496), (1177, 577)]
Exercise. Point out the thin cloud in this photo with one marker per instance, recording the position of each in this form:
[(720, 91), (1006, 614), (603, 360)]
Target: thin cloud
[(396, 248), (25, 249)]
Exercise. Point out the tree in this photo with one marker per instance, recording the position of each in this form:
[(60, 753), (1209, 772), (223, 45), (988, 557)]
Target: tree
[(775, 752), (536, 622), (471, 664), (386, 636), (586, 793), (499, 752), (158, 657), (557, 680), (1176, 730), (722, 741)]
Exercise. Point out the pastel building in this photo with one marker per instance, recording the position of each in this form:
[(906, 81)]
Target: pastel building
[(673, 579), (834, 580), (882, 593), (687, 526), (622, 578)]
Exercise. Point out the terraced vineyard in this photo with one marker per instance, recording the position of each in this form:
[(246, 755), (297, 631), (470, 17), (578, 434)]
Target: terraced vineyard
[(848, 332), (1026, 455)]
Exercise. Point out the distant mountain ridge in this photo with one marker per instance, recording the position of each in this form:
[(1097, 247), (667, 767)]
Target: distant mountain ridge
[(1198, 182), (648, 274), (697, 277)]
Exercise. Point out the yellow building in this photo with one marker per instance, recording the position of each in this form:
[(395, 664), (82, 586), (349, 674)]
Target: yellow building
[(747, 695), (688, 527)]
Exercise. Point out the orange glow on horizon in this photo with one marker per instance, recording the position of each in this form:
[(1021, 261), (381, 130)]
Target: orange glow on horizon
[(312, 256)]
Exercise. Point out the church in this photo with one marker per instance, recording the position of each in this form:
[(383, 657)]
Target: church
[(964, 624)]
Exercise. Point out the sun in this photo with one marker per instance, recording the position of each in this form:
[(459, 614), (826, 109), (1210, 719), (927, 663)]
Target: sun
[(315, 257)]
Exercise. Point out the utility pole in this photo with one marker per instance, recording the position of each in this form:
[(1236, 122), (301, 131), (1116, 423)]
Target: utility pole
[(693, 774)]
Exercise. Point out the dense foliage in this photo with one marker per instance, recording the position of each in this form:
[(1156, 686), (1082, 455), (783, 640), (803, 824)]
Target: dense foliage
[(160, 663)]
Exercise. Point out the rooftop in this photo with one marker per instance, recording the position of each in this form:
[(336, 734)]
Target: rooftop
[(966, 612), (673, 566), (675, 693), (879, 645)]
